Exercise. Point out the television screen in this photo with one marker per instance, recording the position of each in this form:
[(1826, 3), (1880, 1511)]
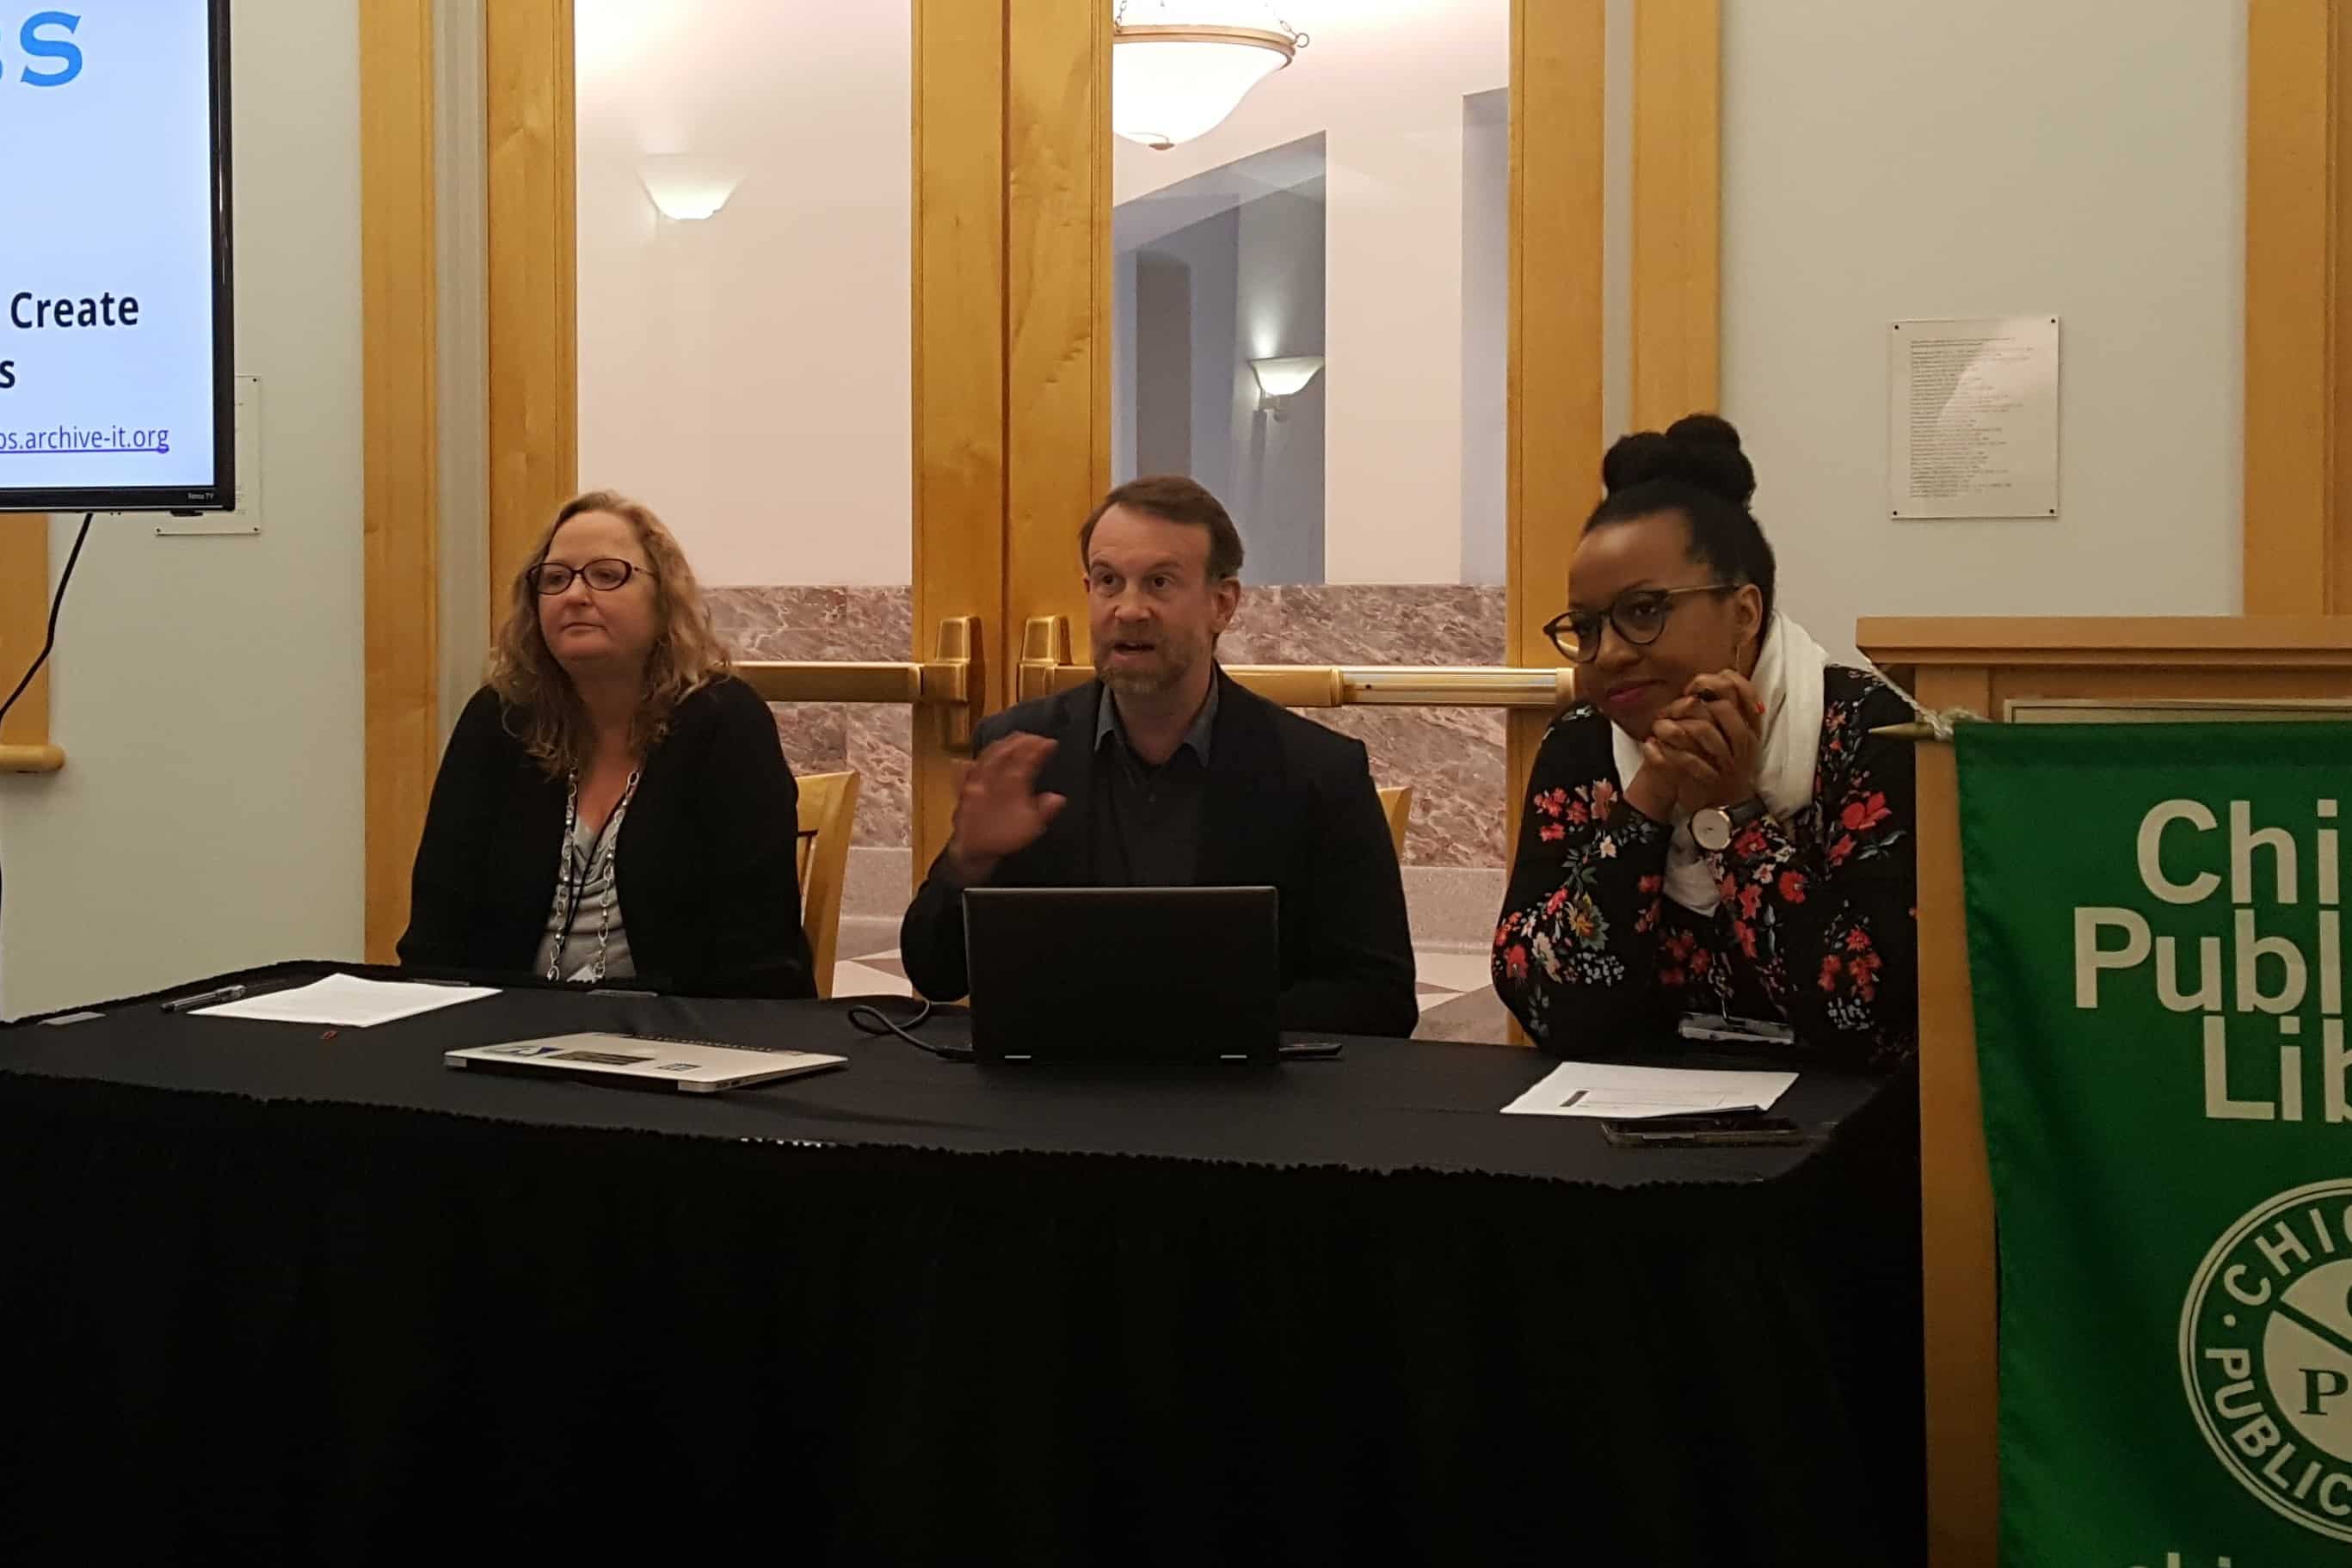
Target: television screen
[(115, 375)]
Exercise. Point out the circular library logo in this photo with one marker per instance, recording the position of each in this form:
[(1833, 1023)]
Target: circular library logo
[(2266, 1353)]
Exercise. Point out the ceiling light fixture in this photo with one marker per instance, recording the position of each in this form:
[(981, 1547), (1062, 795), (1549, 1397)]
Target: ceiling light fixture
[(1178, 67)]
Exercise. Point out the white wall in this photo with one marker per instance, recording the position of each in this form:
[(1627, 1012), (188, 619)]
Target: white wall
[(1385, 81), (461, 216), (1279, 464), (1123, 327), (748, 376), (1891, 159), (1195, 303), (1486, 335), (207, 691), (1209, 250)]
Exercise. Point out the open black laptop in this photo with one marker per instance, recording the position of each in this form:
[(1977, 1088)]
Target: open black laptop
[(1115, 974)]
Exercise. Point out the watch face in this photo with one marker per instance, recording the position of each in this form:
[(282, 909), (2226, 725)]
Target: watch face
[(1711, 829)]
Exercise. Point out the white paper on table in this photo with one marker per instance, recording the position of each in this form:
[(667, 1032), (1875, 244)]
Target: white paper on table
[(1630, 1093), (346, 1001)]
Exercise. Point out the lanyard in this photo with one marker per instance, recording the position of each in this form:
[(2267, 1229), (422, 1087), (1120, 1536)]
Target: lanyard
[(575, 884)]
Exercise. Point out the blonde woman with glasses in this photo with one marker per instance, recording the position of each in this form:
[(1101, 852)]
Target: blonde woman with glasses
[(615, 803)]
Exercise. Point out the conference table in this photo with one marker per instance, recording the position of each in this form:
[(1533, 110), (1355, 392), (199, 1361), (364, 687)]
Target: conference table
[(267, 1295)]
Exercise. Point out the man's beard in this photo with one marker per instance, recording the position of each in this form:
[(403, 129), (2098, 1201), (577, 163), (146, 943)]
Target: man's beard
[(1163, 672)]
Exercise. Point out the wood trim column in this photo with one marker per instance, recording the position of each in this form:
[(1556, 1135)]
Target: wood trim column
[(1677, 209), (960, 349), (2337, 564), (1057, 300), (2294, 412), (534, 359), (1559, 88), (24, 622), (1959, 1330), (400, 353)]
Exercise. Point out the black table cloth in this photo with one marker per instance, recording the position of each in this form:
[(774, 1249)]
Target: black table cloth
[(266, 1296)]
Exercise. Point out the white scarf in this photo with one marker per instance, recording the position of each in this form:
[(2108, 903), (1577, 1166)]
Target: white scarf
[(1789, 682)]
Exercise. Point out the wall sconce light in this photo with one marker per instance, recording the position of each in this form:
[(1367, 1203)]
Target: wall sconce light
[(1279, 379), (685, 187)]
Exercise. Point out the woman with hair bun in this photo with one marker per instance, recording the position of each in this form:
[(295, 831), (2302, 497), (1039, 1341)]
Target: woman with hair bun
[(1712, 829)]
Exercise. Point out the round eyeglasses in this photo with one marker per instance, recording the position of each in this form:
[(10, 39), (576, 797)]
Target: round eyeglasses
[(1640, 617)]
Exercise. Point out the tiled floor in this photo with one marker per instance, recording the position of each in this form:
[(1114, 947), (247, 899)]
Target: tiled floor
[(1457, 998), (1456, 1003)]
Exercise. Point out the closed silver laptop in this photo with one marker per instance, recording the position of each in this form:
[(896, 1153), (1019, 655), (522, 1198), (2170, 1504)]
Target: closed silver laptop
[(698, 1067)]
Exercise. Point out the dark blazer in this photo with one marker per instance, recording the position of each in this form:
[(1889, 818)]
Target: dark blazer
[(1285, 803), (709, 888)]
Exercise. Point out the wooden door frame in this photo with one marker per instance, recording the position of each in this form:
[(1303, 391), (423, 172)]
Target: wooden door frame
[(2298, 384), (23, 624), (531, 277), (1677, 218), (400, 355), (964, 396), (1057, 188), (1558, 136)]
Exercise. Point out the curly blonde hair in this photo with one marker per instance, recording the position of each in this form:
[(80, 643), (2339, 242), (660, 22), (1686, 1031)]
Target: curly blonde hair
[(686, 655)]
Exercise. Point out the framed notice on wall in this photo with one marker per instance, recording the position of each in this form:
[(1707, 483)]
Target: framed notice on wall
[(1972, 418)]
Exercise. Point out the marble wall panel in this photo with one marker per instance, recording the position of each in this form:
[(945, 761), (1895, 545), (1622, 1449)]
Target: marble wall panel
[(1367, 623), (815, 735), (814, 622), (881, 749), (843, 622), (1453, 758)]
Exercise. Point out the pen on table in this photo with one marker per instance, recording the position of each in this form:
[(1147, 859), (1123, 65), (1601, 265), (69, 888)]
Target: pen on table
[(205, 1000)]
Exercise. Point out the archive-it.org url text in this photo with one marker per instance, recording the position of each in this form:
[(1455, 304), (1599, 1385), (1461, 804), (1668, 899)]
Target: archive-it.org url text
[(68, 440)]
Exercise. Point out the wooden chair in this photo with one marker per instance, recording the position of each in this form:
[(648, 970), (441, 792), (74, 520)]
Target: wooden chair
[(828, 818), (1396, 802)]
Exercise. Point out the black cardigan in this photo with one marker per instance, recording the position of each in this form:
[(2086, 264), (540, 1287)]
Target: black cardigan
[(706, 860), (1285, 803)]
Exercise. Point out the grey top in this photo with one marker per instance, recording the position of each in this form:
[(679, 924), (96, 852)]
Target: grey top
[(1147, 820), (587, 914)]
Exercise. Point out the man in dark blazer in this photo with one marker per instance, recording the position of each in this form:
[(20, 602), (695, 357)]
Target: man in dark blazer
[(1162, 771)]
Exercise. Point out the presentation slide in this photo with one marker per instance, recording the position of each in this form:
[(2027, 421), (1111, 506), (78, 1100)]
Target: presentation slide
[(108, 382)]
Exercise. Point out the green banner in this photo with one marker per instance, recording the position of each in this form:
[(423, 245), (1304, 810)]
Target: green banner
[(2155, 941)]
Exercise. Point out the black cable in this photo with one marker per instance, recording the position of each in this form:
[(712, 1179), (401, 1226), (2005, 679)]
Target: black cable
[(867, 1018), (56, 606)]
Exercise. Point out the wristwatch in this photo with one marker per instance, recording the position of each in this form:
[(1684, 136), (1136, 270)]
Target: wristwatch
[(1712, 827)]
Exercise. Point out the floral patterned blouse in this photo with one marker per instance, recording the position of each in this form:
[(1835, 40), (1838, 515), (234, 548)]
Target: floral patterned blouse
[(1817, 926)]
